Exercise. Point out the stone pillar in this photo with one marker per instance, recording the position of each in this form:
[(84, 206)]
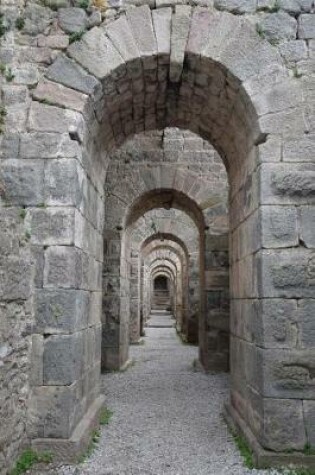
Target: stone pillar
[(116, 303), (63, 218), (217, 302)]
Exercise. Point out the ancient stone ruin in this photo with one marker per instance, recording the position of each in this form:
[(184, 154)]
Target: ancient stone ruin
[(156, 154)]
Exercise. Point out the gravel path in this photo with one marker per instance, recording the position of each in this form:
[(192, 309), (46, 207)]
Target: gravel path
[(166, 417)]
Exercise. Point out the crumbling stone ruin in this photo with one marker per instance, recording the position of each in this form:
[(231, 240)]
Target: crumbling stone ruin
[(156, 139)]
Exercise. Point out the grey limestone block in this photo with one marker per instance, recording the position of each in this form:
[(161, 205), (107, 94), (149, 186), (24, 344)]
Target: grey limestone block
[(162, 20), (306, 325), (279, 26), (51, 226), (293, 51), (236, 6), (60, 95), (287, 373), (22, 181), (307, 226), (63, 359), (179, 37), (47, 118), (63, 267), (96, 53), (70, 74), (283, 425), (287, 273), (15, 278), (309, 411), (48, 145), (140, 22), (51, 411), (61, 311), (306, 29), (72, 20), (279, 226), (63, 183)]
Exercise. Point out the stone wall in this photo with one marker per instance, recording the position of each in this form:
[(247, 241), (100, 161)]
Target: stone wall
[(260, 80)]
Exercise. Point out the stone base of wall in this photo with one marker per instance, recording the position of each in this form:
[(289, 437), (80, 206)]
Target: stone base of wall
[(265, 458), (69, 450)]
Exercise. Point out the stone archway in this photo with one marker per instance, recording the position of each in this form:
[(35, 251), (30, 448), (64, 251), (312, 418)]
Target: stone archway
[(211, 73)]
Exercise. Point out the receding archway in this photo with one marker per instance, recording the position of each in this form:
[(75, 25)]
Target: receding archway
[(128, 79)]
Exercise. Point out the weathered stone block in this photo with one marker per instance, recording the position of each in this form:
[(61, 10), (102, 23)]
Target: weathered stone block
[(97, 54), (293, 51), (288, 373), (306, 327), (61, 311), (15, 279), (22, 181), (279, 226), (279, 26), (140, 22), (37, 360), (51, 226), (179, 37), (48, 145), (287, 273), (63, 183), (237, 7), (72, 20), (60, 95), (162, 25), (309, 411), (307, 226), (51, 411), (287, 184), (306, 29), (283, 425), (46, 118), (63, 359), (63, 267), (70, 74), (299, 149)]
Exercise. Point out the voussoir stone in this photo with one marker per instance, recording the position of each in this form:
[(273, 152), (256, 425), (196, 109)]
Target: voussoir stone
[(70, 74)]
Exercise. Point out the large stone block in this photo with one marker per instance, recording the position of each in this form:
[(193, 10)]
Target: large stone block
[(46, 118), (70, 74), (179, 37), (279, 226), (72, 20), (61, 311), (63, 359), (48, 145), (16, 279), (306, 29), (287, 273), (162, 25), (22, 181), (287, 373), (97, 54), (51, 411), (307, 226), (269, 323), (279, 26), (61, 96), (140, 22), (283, 425), (121, 36), (299, 149), (63, 267), (287, 184), (51, 226), (63, 183), (306, 324), (309, 411), (238, 7)]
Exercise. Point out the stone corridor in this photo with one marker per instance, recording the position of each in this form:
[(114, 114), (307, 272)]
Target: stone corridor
[(167, 416)]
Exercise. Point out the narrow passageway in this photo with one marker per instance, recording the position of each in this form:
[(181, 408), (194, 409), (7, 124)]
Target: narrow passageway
[(166, 417)]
